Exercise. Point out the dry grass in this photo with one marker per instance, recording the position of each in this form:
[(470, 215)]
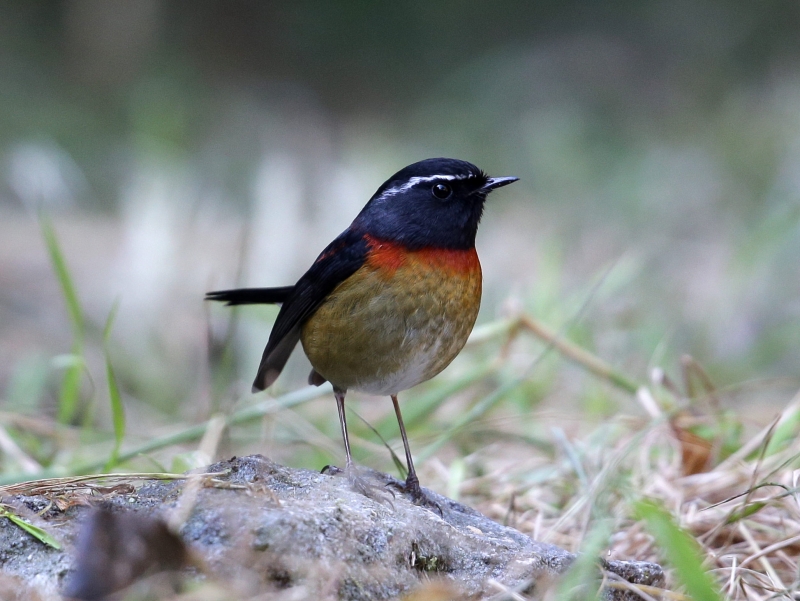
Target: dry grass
[(580, 490), (737, 498), (743, 510)]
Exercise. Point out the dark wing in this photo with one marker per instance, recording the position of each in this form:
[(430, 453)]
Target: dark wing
[(251, 296), (341, 259)]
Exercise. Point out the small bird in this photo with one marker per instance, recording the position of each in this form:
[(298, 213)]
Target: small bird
[(391, 301)]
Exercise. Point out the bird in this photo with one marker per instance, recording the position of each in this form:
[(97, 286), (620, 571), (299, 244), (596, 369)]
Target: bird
[(392, 300)]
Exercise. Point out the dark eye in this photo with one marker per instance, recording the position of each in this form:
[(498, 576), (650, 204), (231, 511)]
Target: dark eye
[(442, 191)]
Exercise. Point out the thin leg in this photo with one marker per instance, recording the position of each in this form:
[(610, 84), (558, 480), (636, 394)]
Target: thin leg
[(358, 483), (412, 486), (343, 423), (412, 482)]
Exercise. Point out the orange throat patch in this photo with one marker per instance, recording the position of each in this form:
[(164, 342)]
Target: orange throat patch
[(391, 256)]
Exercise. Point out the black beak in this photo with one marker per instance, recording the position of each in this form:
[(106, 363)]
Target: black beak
[(497, 182)]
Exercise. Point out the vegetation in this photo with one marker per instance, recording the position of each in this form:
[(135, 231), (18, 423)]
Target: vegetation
[(680, 483), (631, 389)]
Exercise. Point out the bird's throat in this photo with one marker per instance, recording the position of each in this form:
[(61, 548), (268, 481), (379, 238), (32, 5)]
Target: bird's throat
[(391, 256)]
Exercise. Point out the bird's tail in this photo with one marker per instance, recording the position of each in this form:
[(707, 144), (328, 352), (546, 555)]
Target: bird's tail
[(251, 296)]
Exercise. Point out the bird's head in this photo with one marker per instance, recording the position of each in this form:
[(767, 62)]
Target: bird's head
[(433, 203)]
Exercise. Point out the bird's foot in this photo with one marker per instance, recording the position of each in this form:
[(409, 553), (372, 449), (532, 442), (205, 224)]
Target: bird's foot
[(418, 496), (360, 483), (331, 470)]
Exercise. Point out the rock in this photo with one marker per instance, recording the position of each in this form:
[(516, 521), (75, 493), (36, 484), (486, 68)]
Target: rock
[(261, 526)]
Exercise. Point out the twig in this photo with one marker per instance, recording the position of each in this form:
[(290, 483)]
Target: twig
[(579, 355), (46, 486)]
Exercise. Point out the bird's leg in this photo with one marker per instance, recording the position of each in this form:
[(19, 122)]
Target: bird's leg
[(412, 482), (348, 462), (412, 486), (339, 394), (358, 483)]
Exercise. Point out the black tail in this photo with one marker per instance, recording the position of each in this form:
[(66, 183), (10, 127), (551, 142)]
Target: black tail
[(251, 296)]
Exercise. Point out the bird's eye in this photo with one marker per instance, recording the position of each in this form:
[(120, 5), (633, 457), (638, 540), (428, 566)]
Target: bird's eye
[(442, 191)]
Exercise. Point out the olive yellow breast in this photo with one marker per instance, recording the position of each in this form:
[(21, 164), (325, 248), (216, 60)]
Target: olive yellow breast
[(397, 321)]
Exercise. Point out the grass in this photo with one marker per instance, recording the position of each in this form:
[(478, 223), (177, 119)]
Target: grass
[(728, 531), (75, 364), (674, 478)]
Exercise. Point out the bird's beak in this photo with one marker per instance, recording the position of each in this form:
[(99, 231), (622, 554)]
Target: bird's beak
[(497, 182)]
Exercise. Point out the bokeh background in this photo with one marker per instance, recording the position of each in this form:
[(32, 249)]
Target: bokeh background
[(184, 146)]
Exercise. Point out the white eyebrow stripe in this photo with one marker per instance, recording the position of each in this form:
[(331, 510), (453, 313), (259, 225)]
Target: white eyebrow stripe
[(413, 181)]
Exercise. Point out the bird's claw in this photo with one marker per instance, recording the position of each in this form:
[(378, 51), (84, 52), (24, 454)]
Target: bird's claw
[(418, 496)]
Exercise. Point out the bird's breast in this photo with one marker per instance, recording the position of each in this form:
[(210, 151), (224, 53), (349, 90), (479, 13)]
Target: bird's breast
[(397, 321)]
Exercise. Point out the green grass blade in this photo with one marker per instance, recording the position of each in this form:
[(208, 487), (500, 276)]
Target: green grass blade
[(681, 550), (64, 278), (71, 384), (112, 315), (785, 432), (115, 398), (398, 464), (117, 414), (38, 533), (70, 391)]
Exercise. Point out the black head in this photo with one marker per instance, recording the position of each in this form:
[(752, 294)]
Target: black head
[(432, 203)]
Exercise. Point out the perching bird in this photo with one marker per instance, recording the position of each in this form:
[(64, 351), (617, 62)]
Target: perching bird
[(391, 301)]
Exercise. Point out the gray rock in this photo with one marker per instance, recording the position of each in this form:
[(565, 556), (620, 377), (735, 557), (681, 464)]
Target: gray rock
[(264, 527)]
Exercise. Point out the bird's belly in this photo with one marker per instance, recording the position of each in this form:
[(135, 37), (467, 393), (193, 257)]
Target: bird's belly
[(385, 330)]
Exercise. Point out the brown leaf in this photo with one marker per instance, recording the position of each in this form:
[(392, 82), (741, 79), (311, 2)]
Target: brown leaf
[(696, 451)]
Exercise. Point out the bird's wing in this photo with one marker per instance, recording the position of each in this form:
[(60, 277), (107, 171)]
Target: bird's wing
[(251, 296), (341, 259)]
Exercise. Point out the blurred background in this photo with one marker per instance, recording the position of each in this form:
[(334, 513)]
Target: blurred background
[(183, 146)]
